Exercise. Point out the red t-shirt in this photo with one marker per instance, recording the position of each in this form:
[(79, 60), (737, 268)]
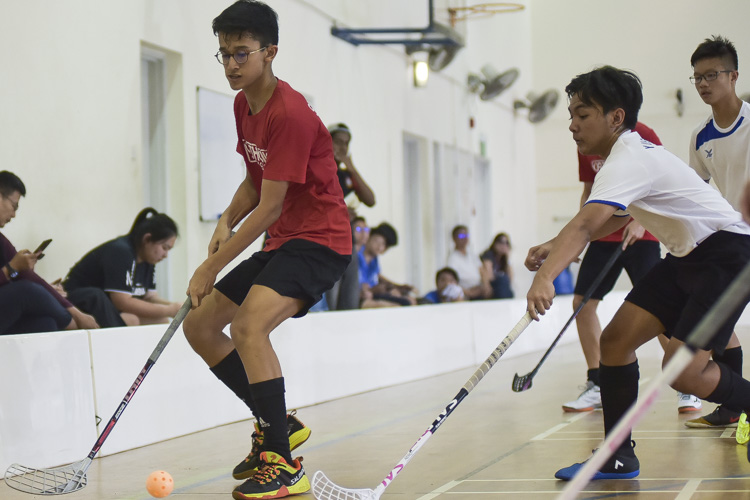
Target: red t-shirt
[(287, 141), (588, 166)]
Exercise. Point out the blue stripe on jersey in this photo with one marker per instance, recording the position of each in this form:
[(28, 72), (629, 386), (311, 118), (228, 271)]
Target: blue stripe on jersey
[(709, 133), (612, 203)]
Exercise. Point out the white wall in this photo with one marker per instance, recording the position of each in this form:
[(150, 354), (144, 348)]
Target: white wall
[(56, 384), (70, 124)]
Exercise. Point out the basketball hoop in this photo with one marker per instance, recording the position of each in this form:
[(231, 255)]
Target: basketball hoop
[(482, 10)]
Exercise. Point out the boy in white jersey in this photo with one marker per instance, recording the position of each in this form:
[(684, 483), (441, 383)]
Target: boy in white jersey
[(707, 241), (720, 150)]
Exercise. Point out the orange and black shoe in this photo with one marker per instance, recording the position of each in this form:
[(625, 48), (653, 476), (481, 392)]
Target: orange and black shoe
[(275, 479), (298, 434)]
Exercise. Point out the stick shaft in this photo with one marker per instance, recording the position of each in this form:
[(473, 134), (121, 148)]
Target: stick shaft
[(139, 379), (599, 278), (465, 390), (734, 297)]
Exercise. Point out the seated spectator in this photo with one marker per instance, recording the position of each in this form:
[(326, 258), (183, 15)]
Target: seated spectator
[(376, 289), (115, 281), (448, 289), (28, 304), (495, 262), (360, 231), (345, 293), (474, 281)]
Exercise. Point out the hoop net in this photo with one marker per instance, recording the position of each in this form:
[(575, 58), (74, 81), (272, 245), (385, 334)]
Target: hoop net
[(482, 10), (54, 481), (325, 489)]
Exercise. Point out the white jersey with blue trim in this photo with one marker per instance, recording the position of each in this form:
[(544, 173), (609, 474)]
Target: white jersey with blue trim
[(723, 154), (663, 194)]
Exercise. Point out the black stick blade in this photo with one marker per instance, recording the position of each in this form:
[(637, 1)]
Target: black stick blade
[(521, 384)]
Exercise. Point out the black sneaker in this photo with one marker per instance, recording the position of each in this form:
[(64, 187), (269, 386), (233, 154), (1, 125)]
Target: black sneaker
[(618, 466), (719, 418), (275, 479), (298, 434)]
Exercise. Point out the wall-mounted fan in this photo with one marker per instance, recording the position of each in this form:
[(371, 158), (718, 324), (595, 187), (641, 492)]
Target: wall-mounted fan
[(493, 82), (539, 106)]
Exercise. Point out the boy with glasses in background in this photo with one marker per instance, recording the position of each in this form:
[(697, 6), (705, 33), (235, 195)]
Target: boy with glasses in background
[(720, 150)]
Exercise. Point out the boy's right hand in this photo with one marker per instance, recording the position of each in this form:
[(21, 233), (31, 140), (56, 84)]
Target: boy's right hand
[(24, 261)]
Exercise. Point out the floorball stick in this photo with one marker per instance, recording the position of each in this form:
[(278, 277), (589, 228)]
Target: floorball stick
[(70, 478), (730, 301), (523, 383), (325, 489)]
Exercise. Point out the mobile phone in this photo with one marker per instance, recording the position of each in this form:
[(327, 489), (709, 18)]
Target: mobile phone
[(43, 245)]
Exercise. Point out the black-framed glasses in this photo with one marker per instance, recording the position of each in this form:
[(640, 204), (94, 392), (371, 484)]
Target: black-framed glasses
[(240, 57), (12, 203), (709, 77)]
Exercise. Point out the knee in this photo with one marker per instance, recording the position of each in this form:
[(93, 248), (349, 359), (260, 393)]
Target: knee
[(245, 335), (191, 327), (577, 300), (609, 342)]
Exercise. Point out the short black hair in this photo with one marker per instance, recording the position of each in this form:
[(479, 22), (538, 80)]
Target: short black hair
[(716, 46), (248, 17), (149, 221), (446, 270), (387, 232), (610, 88), (458, 229), (10, 183)]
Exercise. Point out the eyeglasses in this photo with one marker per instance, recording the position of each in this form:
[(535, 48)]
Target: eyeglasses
[(361, 229), (12, 203), (709, 77), (240, 57), (462, 236)]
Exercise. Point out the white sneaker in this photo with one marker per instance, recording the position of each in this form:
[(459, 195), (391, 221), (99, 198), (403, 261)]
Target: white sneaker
[(590, 399), (687, 403)]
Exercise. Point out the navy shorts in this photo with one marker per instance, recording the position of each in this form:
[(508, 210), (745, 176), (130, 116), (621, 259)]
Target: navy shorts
[(679, 291), (299, 269), (637, 260)]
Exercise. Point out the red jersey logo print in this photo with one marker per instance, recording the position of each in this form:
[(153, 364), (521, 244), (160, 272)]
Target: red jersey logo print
[(255, 154)]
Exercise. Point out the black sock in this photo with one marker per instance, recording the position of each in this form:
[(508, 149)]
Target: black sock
[(593, 375), (271, 406), (231, 371), (733, 391), (732, 358), (619, 388)]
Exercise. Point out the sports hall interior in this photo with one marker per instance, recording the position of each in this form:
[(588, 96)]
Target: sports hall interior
[(100, 118)]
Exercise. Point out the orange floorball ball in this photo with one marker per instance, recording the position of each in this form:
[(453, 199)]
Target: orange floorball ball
[(159, 484)]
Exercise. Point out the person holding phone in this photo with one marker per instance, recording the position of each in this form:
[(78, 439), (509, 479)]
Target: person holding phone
[(115, 281), (28, 304)]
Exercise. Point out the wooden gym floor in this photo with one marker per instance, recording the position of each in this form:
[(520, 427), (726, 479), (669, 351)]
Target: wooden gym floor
[(496, 445)]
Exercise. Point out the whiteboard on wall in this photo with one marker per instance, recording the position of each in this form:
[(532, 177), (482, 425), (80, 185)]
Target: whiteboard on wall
[(221, 169)]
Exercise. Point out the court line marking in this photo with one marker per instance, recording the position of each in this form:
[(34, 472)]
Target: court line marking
[(443, 489), (688, 490), (563, 425), (728, 432)]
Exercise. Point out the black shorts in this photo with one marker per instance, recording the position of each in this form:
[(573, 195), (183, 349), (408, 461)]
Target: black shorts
[(637, 260), (299, 269), (679, 291)]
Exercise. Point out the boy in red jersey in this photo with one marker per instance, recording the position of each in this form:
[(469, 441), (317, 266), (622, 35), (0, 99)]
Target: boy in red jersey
[(291, 192)]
